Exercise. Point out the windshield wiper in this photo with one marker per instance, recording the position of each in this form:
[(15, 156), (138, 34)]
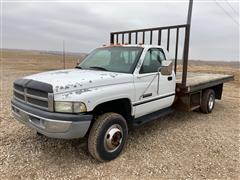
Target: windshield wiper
[(97, 67)]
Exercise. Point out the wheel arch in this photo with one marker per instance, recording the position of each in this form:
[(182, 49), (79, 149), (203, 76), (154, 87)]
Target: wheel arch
[(218, 89), (122, 106)]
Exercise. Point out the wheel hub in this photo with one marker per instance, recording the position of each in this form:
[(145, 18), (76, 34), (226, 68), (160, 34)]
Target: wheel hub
[(211, 102), (113, 138)]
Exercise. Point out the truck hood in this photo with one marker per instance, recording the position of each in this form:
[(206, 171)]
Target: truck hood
[(75, 79)]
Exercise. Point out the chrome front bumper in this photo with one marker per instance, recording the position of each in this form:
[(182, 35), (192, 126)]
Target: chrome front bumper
[(52, 124)]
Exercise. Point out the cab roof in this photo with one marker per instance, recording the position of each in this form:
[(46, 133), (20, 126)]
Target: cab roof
[(134, 45)]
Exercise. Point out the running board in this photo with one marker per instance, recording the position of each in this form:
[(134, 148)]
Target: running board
[(152, 116)]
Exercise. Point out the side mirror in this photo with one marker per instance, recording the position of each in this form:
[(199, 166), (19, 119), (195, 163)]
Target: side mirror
[(78, 62), (166, 68)]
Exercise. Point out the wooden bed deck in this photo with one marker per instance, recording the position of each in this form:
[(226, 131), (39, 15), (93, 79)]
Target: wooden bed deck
[(197, 81)]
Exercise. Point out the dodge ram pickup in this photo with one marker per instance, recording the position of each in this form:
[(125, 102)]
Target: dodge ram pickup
[(115, 88)]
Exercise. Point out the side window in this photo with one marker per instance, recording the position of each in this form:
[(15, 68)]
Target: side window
[(152, 61)]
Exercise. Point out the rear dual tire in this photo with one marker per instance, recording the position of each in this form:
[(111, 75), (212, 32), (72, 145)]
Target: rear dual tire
[(208, 101)]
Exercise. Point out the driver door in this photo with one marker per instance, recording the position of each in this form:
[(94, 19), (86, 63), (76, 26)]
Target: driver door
[(151, 86)]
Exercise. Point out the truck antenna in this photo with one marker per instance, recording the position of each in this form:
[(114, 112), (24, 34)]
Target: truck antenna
[(64, 59), (186, 44)]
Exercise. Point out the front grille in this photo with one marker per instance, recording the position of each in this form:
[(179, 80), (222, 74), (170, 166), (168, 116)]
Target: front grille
[(37, 92), (19, 88), (19, 96), (33, 97), (37, 102)]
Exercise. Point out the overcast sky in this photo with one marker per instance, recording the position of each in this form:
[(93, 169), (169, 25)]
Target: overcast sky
[(85, 26)]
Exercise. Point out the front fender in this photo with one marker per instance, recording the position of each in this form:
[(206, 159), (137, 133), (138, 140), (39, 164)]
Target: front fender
[(98, 95)]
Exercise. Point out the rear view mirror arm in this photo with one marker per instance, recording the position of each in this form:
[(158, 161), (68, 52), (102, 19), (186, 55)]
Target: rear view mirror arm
[(159, 72)]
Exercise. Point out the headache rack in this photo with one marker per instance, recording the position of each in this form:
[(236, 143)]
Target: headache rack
[(114, 39), (120, 38)]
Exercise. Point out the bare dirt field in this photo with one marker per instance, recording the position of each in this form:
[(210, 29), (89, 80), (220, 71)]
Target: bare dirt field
[(179, 146)]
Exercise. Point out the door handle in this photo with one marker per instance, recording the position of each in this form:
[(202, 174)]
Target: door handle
[(147, 95), (169, 78)]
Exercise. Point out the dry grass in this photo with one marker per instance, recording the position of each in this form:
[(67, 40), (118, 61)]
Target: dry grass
[(181, 145)]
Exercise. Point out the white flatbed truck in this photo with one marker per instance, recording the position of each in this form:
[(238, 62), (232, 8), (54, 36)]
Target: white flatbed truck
[(114, 89)]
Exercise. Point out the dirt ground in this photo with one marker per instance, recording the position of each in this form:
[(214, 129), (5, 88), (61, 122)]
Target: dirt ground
[(179, 146)]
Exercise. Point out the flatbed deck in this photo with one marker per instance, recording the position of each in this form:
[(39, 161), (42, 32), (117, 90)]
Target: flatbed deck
[(198, 81)]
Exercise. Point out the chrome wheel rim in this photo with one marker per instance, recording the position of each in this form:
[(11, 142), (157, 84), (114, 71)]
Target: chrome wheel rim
[(113, 138), (211, 102)]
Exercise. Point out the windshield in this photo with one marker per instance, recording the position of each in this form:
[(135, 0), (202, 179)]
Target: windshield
[(115, 59)]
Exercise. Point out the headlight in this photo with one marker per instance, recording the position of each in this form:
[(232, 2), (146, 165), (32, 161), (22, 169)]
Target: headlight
[(70, 107), (79, 107), (63, 106)]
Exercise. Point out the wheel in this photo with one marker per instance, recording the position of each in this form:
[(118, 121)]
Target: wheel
[(208, 101), (107, 137)]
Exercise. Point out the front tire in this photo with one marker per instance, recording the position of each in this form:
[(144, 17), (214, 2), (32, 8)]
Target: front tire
[(208, 101), (107, 137)]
